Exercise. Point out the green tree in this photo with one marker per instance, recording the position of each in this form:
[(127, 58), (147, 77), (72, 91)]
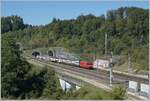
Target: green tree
[(11, 23), (119, 93), (14, 68), (19, 81)]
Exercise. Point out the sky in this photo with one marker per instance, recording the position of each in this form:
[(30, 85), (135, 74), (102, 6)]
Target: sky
[(42, 12)]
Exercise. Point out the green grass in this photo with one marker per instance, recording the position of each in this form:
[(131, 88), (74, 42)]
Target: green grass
[(89, 92)]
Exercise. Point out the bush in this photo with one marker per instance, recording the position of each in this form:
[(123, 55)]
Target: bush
[(118, 93)]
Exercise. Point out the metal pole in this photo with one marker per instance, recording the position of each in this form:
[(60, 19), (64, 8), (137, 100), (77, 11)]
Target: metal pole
[(105, 45), (110, 65), (129, 63), (110, 76)]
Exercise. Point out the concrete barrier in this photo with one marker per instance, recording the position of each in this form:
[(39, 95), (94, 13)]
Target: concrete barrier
[(144, 89), (132, 86)]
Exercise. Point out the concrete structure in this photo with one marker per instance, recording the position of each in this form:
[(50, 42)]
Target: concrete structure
[(60, 53), (69, 83)]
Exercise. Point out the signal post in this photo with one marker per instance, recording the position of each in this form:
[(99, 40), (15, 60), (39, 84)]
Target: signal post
[(111, 71)]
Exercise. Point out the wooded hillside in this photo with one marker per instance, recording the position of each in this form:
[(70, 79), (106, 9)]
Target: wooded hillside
[(127, 30)]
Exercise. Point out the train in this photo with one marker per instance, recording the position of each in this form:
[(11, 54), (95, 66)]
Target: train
[(97, 64), (82, 64)]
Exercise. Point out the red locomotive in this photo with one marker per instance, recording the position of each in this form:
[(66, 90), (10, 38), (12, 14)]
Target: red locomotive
[(86, 65)]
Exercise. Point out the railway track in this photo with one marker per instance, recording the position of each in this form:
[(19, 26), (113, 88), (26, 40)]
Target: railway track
[(103, 78), (62, 69), (104, 74)]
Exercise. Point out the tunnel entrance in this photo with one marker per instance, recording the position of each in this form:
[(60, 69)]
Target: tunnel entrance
[(35, 53), (50, 53)]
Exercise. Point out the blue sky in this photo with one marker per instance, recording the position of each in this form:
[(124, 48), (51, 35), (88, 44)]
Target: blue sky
[(42, 12)]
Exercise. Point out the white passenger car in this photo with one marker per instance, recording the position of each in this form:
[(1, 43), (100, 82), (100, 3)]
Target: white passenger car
[(100, 63), (75, 63), (60, 60), (52, 59)]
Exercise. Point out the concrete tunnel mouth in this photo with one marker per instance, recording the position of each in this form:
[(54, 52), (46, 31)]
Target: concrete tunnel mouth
[(35, 53), (50, 53)]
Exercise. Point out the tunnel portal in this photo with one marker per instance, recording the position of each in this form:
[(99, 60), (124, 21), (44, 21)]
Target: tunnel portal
[(50, 53), (35, 53)]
